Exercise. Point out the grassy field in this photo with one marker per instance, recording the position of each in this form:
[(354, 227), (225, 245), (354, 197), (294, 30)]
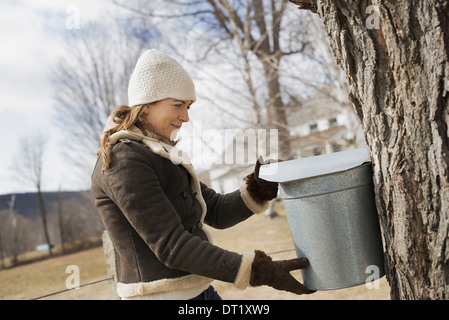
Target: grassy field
[(48, 276)]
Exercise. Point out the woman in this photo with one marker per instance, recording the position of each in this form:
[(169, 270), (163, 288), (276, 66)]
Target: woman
[(154, 207)]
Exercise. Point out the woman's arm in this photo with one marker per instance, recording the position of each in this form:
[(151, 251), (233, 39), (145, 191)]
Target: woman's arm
[(134, 186), (226, 210), (254, 196)]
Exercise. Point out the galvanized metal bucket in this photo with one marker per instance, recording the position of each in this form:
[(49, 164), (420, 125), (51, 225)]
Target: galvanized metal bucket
[(333, 221)]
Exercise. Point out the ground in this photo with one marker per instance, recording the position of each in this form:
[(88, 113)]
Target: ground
[(270, 235)]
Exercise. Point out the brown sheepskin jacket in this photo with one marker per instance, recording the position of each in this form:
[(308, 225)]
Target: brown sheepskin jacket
[(155, 210)]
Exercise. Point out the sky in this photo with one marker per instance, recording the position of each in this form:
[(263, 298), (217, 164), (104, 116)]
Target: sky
[(32, 34)]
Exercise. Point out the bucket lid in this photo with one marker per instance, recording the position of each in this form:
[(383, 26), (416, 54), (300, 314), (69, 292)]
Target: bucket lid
[(314, 166)]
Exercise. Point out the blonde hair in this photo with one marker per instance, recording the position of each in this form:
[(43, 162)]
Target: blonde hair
[(125, 117)]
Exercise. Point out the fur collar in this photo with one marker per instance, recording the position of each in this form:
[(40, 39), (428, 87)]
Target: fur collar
[(158, 144), (164, 148)]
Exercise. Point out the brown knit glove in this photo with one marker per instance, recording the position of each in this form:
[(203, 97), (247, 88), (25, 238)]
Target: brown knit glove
[(276, 274), (261, 190)]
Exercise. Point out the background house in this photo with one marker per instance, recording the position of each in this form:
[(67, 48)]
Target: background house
[(325, 123)]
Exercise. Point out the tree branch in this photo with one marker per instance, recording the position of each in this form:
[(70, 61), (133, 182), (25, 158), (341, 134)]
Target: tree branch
[(305, 5), (155, 15)]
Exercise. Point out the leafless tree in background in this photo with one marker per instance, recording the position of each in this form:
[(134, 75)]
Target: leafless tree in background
[(28, 167), (74, 219), (90, 80), (17, 236)]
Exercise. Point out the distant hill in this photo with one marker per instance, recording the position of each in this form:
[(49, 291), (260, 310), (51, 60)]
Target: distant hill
[(26, 204)]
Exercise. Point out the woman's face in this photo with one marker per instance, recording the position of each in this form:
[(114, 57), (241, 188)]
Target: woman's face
[(166, 117)]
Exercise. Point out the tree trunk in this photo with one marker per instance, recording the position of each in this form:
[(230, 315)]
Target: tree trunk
[(395, 56), (44, 218), (270, 55), (61, 221), (276, 110)]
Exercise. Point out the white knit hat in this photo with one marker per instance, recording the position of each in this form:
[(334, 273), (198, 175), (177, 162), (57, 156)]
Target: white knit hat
[(157, 77)]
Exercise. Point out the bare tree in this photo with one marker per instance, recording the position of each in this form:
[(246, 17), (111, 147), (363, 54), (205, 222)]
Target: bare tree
[(29, 167), (74, 219), (2, 238), (395, 55), (90, 80), (17, 235), (60, 214), (14, 229)]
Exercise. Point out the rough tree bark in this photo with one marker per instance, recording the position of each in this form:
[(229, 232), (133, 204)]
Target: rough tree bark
[(395, 56)]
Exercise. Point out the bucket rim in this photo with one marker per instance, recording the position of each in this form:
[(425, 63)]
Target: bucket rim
[(301, 168)]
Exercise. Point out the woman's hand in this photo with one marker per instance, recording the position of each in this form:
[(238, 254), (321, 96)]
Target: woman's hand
[(276, 274), (267, 187), (261, 190)]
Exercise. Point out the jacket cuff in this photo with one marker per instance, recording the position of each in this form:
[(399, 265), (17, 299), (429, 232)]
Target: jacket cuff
[(255, 205), (244, 273), (170, 286)]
